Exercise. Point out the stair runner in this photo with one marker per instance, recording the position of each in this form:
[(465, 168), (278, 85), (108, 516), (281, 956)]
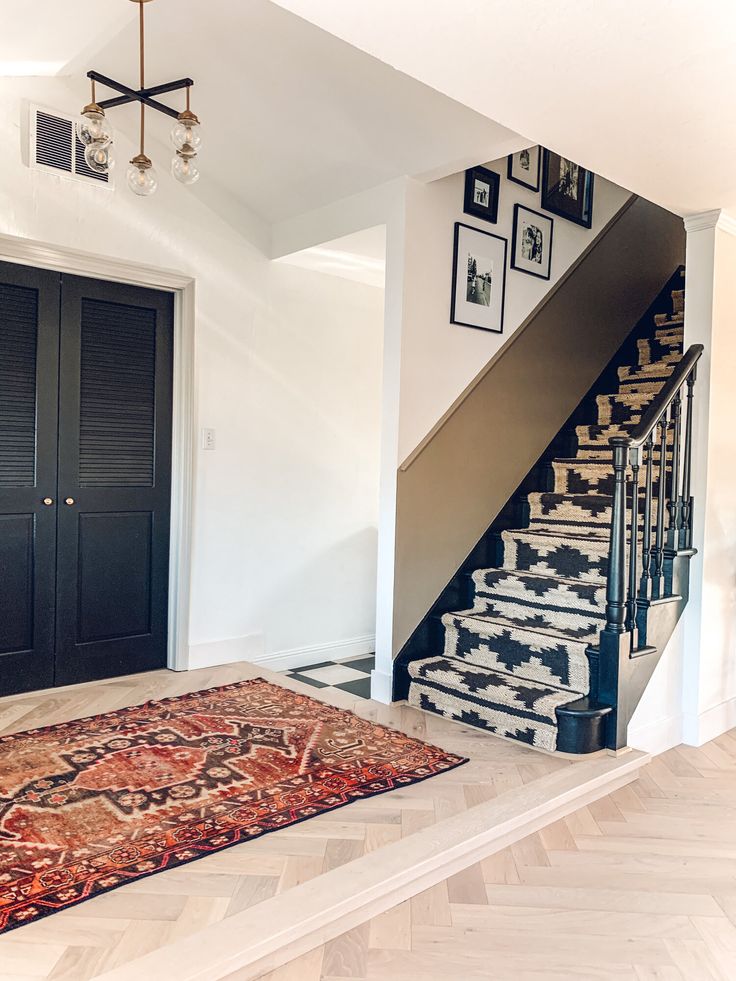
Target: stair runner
[(519, 653)]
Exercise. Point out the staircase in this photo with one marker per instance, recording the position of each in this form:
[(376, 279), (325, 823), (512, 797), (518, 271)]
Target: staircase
[(542, 652)]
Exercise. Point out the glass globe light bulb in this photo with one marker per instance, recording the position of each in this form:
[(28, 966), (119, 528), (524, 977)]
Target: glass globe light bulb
[(184, 169), (186, 132), (98, 157), (93, 126), (142, 178)]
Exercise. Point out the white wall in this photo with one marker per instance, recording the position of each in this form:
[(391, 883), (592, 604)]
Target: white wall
[(429, 361), (288, 365), (692, 695), (439, 360)]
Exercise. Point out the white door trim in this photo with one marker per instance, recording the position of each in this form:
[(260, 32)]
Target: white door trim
[(29, 253)]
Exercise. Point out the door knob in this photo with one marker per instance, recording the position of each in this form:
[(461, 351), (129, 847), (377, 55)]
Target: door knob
[(69, 501), (48, 501)]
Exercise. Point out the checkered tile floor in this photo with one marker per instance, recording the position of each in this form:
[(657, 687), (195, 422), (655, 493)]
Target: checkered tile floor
[(353, 675)]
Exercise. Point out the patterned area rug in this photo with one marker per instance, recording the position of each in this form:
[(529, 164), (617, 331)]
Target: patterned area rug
[(90, 805)]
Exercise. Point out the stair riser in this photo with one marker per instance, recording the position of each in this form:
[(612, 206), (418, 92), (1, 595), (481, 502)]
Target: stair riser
[(569, 515), (546, 660), (590, 478), (621, 410), (587, 562), (516, 586), (482, 715)]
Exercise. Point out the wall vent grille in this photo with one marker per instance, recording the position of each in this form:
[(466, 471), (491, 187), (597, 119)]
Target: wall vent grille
[(55, 146)]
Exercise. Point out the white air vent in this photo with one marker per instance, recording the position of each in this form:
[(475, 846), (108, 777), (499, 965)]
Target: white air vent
[(55, 146)]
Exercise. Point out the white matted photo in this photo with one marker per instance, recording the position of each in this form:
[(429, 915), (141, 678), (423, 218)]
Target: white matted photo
[(478, 279), (531, 245), (523, 167)]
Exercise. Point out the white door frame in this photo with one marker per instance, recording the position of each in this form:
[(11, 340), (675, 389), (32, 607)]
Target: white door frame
[(29, 253)]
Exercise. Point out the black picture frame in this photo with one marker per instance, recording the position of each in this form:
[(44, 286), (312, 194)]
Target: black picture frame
[(500, 249), (510, 167), (578, 209), (517, 261), (486, 211)]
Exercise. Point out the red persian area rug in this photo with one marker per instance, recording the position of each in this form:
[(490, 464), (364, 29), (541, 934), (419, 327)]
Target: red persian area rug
[(90, 805)]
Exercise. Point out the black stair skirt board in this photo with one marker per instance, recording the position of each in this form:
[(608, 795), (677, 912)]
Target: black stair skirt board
[(512, 643)]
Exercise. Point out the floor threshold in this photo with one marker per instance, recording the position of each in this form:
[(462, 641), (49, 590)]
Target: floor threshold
[(259, 939)]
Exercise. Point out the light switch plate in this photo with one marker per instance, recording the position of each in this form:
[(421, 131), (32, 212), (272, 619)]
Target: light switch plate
[(208, 439)]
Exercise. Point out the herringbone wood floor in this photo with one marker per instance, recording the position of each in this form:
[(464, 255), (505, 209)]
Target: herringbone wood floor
[(116, 928), (639, 886)]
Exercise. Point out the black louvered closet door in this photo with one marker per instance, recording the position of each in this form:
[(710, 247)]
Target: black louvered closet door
[(114, 480), (29, 351), (85, 478)]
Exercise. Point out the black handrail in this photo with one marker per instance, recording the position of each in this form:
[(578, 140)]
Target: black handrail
[(639, 435)]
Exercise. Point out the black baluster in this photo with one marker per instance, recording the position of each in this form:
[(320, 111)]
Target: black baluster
[(645, 588), (631, 602), (686, 532), (674, 506), (658, 552), (616, 585)]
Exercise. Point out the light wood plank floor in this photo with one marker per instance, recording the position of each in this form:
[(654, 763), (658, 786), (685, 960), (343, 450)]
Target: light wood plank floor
[(116, 928), (639, 886)]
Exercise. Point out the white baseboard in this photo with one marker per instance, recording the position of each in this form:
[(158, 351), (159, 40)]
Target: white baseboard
[(701, 728), (658, 736), (228, 651), (381, 687), (249, 944), (299, 657), (250, 649)]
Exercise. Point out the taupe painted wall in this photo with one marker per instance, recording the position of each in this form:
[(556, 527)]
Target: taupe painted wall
[(454, 485)]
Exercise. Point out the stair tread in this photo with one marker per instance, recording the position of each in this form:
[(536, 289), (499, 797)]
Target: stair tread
[(562, 536), (524, 575)]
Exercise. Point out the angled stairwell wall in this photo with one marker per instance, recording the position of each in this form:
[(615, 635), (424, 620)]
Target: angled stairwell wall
[(456, 482)]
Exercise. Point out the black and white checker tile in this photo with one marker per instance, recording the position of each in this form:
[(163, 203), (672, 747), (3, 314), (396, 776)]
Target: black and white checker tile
[(352, 675)]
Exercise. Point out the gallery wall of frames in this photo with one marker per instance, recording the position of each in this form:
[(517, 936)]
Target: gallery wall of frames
[(481, 258)]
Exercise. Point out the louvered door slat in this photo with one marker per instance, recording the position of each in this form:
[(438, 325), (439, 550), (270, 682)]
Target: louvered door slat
[(18, 340), (117, 399)]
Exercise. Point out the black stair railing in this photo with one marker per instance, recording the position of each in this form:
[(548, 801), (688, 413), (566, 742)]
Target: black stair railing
[(651, 519), (666, 508)]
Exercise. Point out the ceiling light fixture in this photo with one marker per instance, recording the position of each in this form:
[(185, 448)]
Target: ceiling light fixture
[(96, 134)]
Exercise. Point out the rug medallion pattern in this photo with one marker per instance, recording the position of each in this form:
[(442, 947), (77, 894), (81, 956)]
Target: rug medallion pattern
[(89, 805)]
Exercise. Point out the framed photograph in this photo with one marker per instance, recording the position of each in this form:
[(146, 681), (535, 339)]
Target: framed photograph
[(481, 193), (524, 168), (531, 245), (567, 189), (478, 278)]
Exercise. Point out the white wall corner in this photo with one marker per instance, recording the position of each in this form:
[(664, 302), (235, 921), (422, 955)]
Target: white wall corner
[(381, 687), (657, 736), (700, 729)]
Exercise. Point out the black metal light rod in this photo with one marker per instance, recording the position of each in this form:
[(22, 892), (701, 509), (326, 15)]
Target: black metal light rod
[(140, 95)]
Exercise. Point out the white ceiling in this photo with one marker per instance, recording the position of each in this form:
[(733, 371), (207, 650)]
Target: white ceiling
[(641, 92), (292, 117), (43, 36), (360, 257)]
